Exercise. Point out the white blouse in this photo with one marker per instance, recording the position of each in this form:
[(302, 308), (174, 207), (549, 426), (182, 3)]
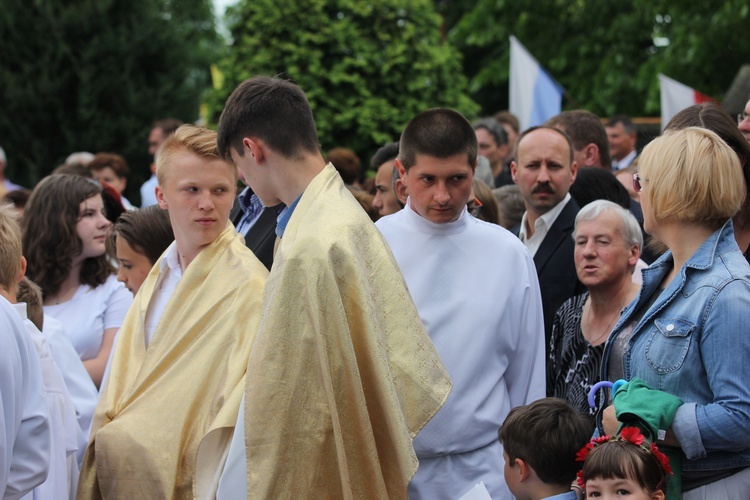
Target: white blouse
[(90, 312)]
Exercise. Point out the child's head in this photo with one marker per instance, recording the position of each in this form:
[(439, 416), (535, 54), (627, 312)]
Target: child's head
[(64, 225), (540, 441), (29, 293), (141, 236), (10, 248), (623, 463)]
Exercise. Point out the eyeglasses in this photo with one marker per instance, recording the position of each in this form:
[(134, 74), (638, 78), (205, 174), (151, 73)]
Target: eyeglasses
[(474, 207), (742, 117), (637, 183)]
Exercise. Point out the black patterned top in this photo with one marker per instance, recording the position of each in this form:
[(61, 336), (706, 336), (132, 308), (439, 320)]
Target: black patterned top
[(573, 365)]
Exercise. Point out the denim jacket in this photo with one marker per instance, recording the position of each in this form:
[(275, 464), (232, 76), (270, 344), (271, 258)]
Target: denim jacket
[(694, 342)]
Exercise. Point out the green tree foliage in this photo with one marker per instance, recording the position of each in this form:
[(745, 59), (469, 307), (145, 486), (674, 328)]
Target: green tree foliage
[(94, 74), (366, 67), (606, 54)]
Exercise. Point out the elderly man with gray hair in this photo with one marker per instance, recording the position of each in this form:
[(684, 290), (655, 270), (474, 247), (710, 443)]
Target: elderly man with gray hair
[(608, 243)]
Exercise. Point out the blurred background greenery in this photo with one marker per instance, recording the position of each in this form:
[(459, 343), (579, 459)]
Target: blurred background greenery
[(94, 74)]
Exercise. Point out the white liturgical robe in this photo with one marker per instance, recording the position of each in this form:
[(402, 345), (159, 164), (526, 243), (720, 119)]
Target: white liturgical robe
[(25, 439), (476, 290)]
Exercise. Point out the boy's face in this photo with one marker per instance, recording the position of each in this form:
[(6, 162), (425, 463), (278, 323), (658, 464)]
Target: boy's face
[(199, 194)]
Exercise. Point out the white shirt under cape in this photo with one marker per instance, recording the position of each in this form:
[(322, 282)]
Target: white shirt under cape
[(25, 437), (476, 290)]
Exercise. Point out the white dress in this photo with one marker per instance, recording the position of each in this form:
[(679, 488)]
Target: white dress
[(90, 312), (476, 290)]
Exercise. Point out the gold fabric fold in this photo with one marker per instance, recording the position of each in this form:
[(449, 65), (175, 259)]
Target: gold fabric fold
[(162, 401), (342, 374)]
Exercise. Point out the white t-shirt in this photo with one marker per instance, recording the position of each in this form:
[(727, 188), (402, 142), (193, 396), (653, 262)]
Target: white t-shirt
[(90, 312)]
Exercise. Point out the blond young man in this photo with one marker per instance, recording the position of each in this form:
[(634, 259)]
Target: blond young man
[(170, 404)]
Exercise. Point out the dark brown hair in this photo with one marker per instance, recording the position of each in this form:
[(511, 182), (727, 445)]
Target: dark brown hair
[(347, 164), (147, 230), (440, 133), (584, 128), (625, 460), (30, 293), (273, 110), (50, 240), (547, 435)]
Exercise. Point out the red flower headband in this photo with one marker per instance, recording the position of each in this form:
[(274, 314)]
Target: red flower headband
[(630, 435)]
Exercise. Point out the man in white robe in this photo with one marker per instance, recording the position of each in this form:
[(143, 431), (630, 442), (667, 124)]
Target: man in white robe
[(476, 290)]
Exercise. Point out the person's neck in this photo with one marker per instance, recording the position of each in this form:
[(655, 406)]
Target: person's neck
[(683, 240), (605, 301), (295, 175), (8, 295), (186, 254), (68, 287), (531, 218), (544, 490)]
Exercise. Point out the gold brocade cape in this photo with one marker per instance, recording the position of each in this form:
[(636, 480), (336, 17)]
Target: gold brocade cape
[(162, 403), (342, 374)]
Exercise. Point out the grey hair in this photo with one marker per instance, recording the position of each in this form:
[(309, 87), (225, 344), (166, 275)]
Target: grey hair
[(629, 228)]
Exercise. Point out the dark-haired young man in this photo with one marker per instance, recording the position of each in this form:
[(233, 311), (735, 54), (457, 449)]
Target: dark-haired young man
[(386, 201), (342, 374), (476, 291)]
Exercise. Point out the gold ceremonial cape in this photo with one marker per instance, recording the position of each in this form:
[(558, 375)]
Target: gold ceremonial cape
[(166, 405), (342, 375)]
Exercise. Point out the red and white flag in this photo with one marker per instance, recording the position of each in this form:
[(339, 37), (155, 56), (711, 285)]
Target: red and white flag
[(676, 96)]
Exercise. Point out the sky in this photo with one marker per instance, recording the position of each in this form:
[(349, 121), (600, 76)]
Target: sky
[(221, 5)]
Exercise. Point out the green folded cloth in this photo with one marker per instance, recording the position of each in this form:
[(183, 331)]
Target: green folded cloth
[(652, 411)]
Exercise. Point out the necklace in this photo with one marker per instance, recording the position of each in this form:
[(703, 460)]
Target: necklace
[(607, 330)]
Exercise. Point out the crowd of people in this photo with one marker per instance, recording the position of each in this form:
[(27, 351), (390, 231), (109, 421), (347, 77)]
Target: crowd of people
[(493, 313)]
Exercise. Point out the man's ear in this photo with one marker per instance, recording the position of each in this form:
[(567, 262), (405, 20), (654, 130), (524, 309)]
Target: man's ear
[(160, 198), (514, 171), (255, 148), (402, 193), (590, 155), (400, 167)]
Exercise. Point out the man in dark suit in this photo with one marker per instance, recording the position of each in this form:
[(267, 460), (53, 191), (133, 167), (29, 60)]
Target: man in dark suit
[(256, 223), (544, 170)]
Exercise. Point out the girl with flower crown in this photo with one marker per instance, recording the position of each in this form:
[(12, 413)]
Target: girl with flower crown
[(623, 467)]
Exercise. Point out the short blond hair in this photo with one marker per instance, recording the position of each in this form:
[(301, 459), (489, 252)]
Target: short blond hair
[(188, 138), (691, 175), (10, 247)]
